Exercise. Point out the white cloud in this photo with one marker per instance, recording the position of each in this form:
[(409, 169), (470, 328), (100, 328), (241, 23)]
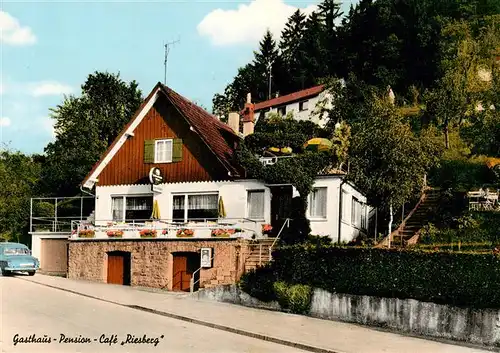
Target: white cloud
[(49, 88), (11, 31), (248, 23), (47, 123), (4, 122)]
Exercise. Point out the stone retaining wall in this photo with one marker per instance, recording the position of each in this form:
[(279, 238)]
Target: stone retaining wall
[(409, 316), (152, 260)]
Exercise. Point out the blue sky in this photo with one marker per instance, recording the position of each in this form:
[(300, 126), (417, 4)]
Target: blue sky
[(48, 48)]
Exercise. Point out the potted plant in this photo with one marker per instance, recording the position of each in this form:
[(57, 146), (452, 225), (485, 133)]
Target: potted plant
[(148, 233), (164, 231), (223, 233), (185, 233), (114, 233), (86, 233), (266, 229)]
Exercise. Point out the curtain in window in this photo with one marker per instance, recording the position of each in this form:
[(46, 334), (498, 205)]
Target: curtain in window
[(117, 208), (317, 203), (256, 204), (356, 213), (163, 151), (203, 207)]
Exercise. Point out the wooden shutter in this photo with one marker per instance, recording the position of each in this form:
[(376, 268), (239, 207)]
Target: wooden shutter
[(177, 150), (149, 151)]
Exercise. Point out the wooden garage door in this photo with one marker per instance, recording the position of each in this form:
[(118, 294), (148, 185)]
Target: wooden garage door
[(54, 256), (119, 268), (183, 267)]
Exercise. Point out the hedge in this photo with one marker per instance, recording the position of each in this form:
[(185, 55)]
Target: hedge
[(460, 279)]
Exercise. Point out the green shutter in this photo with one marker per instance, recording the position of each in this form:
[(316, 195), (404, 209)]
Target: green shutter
[(149, 151), (177, 150)]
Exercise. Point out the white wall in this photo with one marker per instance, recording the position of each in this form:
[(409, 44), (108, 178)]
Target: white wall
[(330, 225), (234, 196), (305, 114)]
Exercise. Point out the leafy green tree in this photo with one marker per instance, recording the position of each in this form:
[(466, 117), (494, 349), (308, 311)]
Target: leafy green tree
[(19, 176), (85, 127), (388, 161)]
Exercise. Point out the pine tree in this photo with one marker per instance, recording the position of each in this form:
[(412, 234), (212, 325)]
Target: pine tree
[(329, 12), (267, 62)]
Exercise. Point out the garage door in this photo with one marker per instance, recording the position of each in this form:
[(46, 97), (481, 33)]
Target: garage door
[(54, 256)]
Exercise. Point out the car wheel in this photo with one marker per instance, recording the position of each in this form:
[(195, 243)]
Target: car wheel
[(31, 273), (5, 272)]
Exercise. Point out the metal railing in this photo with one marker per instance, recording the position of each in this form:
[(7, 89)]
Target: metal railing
[(286, 223), (192, 282)]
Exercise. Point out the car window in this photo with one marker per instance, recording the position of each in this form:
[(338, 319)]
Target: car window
[(16, 251)]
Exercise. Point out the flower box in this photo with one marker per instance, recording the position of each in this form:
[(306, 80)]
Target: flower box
[(86, 233), (224, 233), (148, 233), (185, 233), (114, 233)]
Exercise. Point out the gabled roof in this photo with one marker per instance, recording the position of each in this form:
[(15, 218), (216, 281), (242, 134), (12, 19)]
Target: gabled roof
[(218, 137), (292, 97)]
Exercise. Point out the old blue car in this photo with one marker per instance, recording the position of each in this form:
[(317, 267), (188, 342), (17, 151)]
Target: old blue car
[(17, 257)]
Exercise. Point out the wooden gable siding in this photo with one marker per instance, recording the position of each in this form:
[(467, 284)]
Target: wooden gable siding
[(163, 121)]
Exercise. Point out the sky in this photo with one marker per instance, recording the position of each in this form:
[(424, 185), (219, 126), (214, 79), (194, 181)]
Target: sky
[(48, 48)]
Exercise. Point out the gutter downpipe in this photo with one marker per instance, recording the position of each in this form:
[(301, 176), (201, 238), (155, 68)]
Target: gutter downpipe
[(86, 192), (340, 209)]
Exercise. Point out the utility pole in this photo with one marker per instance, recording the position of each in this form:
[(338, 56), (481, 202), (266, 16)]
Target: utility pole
[(269, 67), (167, 51)]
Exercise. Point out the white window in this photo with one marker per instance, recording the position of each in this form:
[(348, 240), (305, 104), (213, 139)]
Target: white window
[(317, 203), (356, 212), (195, 207), (345, 206), (364, 219), (163, 151), (127, 208), (255, 204), (281, 110), (303, 105)]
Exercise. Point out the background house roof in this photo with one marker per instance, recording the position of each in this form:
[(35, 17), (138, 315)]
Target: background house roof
[(313, 91)]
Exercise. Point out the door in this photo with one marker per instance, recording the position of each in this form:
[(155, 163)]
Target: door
[(281, 206), (54, 256), (119, 268), (185, 264)]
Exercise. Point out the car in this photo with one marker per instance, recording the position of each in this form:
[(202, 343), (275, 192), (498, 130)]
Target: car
[(17, 257)]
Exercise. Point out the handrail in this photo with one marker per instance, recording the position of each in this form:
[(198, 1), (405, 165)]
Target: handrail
[(287, 223), (192, 281)]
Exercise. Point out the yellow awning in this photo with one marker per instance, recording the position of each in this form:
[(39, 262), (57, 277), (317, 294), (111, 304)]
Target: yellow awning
[(222, 210), (156, 210)]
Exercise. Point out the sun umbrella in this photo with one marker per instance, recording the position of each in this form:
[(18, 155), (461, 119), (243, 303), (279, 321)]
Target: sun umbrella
[(318, 144), (222, 210), (156, 210)]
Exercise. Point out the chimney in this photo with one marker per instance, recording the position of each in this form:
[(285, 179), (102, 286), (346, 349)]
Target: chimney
[(234, 122)]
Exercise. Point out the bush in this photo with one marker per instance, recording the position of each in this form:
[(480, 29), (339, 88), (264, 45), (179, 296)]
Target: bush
[(460, 279), (259, 283), (295, 298)]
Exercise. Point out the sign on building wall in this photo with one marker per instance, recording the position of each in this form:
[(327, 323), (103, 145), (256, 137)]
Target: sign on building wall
[(156, 179), (206, 257)]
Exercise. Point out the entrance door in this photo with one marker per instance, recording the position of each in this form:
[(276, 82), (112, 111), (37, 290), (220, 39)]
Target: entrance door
[(185, 264), (119, 268), (281, 206)]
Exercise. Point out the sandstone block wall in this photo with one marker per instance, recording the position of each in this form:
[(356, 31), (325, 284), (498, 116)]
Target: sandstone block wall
[(152, 260)]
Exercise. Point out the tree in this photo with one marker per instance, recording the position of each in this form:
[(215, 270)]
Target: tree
[(329, 12), (388, 161), (19, 176), (85, 127), (291, 38)]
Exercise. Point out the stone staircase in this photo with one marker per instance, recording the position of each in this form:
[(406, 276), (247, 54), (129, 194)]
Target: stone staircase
[(406, 233), (259, 254)]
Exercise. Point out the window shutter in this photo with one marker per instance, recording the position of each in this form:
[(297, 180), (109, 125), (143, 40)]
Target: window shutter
[(177, 150), (149, 151)]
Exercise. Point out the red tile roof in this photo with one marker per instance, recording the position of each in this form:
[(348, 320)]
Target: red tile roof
[(219, 137), (313, 91)]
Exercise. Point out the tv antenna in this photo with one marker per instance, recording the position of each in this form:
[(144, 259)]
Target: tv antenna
[(167, 51)]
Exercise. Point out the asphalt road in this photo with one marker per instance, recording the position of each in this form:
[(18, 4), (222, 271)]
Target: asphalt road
[(66, 322)]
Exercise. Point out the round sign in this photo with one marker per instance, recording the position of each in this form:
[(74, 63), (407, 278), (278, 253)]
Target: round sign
[(155, 176)]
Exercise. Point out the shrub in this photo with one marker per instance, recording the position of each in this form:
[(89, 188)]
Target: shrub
[(295, 298), (259, 283), (460, 279)]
